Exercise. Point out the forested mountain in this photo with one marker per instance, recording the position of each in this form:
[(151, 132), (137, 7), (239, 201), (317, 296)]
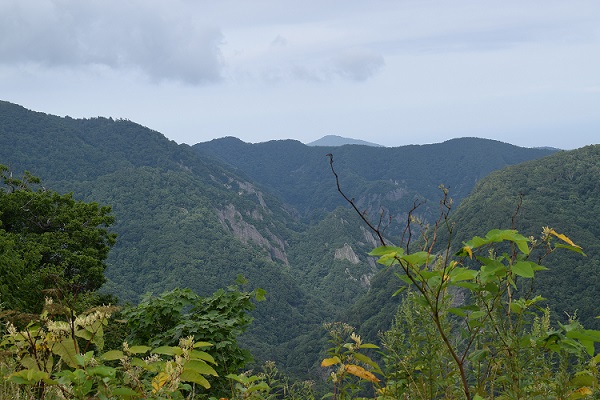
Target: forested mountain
[(199, 216), (181, 221), (376, 177), (561, 191)]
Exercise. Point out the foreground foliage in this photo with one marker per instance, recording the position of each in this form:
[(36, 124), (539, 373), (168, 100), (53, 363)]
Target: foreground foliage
[(48, 241), (61, 356), (169, 354)]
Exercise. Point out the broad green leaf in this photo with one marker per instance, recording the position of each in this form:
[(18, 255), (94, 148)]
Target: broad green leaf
[(260, 294), (576, 249), (29, 376), (139, 349), (462, 274), (583, 378), (244, 380), (491, 287), (457, 311), (201, 355), (404, 278), (29, 362), (516, 307), (477, 241), (202, 344), (523, 246), (588, 334), (241, 279), (65, 349), (168, 350), (126, 392), (489, 264), (477, 315), (102, 371), (478, 355), (417, 259), (200, 367), (523, 268), (537, 267), (138, 362), (429, 274), (262, 386), (112, 355), (369, 346), (388, 259)]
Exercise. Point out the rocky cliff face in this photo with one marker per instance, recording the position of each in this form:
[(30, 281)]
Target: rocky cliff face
[(233, 221), (346, 253)]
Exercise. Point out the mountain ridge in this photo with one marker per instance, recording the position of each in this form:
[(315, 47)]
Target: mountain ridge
[(335, 140)]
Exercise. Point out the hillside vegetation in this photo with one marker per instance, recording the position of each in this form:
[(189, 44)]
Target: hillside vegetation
[(198, 216), (377, 177)]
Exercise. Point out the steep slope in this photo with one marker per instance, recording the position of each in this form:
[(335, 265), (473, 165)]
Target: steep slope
[(561, 191), (181, 221), (376, 177), (335, 249)]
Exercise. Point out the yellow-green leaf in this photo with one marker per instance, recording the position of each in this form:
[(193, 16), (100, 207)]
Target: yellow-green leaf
[(330, 361), (362, 373), (562, 237), (159, 381), (580, 393), (468, 250)]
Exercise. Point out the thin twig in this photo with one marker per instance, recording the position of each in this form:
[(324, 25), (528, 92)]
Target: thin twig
[(351, 202)]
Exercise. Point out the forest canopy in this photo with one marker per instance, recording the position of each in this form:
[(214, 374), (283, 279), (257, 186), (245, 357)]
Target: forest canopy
[(48, 242)]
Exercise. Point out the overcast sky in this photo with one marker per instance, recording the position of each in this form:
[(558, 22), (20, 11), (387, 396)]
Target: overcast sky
[(398, 72)]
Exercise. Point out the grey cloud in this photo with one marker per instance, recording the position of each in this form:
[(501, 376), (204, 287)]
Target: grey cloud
[(279, 41), (117, 35), (354, 64), (358, 64)]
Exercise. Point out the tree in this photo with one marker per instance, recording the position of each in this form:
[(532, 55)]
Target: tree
[(50, 244), (181, 313)]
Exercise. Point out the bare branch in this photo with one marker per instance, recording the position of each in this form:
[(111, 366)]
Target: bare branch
[(353, 204)]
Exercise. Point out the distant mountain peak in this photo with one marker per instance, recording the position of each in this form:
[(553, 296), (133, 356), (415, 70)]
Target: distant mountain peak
[(334, 140)]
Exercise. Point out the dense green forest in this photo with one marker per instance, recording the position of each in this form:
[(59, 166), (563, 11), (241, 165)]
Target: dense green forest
[(199, 216), (377, 176)]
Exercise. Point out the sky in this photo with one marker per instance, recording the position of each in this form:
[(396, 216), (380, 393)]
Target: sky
[(401, 72)]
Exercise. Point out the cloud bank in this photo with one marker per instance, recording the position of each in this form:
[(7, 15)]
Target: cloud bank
[(117, 35)]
